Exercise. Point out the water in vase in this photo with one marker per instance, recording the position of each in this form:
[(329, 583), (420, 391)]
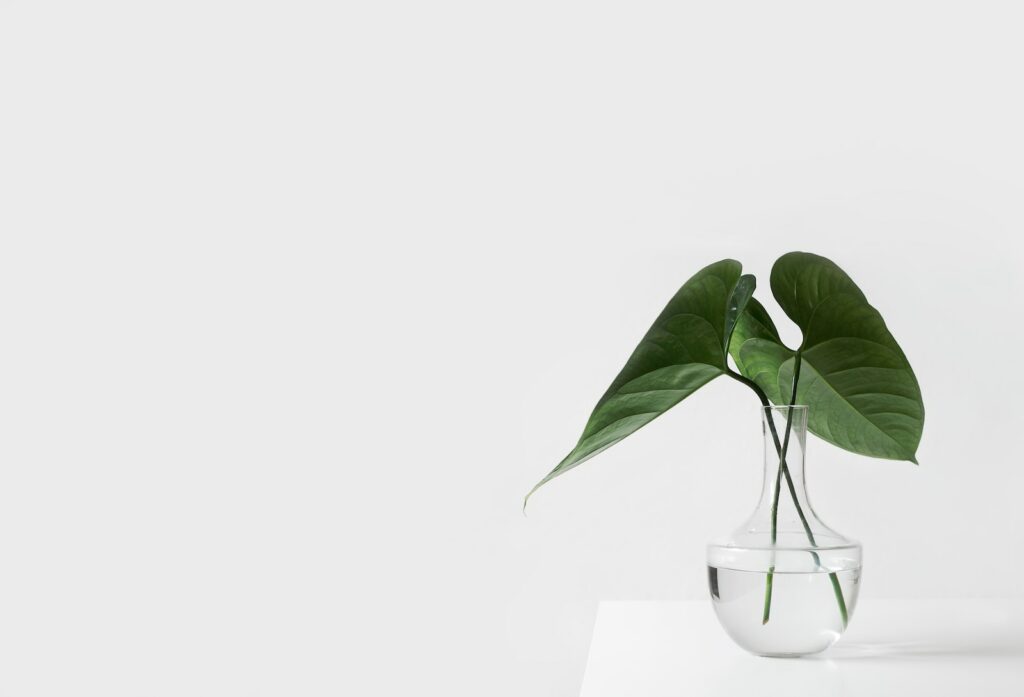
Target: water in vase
[(803, 616)]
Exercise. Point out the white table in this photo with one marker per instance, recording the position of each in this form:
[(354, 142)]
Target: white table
[(904, 648)]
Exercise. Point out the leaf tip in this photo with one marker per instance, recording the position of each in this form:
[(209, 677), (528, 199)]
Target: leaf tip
[(526, 499)]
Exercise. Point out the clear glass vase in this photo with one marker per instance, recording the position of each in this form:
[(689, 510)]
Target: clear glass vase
[(784, 583)]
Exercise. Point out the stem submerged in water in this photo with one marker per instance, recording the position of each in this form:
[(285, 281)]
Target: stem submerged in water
[(768, 596)]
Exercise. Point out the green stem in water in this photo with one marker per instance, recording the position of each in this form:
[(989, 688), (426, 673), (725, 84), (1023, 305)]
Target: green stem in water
[(784, 470), (768, 595)]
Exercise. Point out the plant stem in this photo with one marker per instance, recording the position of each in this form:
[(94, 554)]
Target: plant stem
[(768, 596), (778, 481), (784, 470), (766, 615)]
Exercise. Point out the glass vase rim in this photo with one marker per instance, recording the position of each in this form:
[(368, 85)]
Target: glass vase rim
[(784, 407)]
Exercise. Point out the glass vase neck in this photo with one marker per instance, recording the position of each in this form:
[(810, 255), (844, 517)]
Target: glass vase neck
[(784, 518), (785, 439)]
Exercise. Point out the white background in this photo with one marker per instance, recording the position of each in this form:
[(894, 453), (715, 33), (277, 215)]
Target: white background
[(298, 299)]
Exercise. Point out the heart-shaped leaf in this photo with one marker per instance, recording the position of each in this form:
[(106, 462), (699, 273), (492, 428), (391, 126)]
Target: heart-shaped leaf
[(764, 351), (684, 349), (862, 392)]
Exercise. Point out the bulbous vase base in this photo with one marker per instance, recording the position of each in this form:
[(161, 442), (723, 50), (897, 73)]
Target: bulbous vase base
[(804, 618)]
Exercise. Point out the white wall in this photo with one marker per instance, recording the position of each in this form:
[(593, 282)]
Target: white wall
[(298, 300)]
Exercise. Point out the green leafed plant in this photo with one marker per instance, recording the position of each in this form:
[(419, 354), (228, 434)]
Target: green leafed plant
[(858, 384)]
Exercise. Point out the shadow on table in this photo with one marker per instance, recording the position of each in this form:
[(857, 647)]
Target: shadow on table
[(978, 638), (953, 647)]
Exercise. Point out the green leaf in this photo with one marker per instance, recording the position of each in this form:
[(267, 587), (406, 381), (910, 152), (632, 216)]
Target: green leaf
[(741, 295), (862, 392), (683, 350), (758, 351)]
